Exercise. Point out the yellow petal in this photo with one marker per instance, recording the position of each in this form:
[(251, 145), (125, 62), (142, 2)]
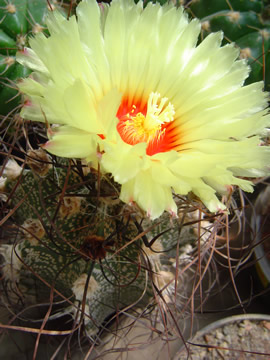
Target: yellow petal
[(149, 195), (97, 68), (70, 142), (124, 162)]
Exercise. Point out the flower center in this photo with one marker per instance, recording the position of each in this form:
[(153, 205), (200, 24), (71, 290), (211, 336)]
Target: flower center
[(147, 125)]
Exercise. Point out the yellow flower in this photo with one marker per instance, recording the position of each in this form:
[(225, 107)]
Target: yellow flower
[(128, 87)]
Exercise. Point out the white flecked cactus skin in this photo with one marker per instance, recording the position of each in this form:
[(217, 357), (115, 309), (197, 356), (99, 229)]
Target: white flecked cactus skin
[(73, 238), (73, 233)]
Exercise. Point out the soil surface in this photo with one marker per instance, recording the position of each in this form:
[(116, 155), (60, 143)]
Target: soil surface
[(238, 340)]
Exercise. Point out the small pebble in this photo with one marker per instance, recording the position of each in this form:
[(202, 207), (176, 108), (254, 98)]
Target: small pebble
[(266, 324), (219, 335)]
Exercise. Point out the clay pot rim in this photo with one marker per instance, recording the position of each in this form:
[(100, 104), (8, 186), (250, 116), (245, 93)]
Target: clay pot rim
[(222, 322), (230, 319), (259, 251)]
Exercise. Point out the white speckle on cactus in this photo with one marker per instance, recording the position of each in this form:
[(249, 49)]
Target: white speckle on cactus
[(2, 188), (51, 7), (185, 254), (21, 41), (11, 265), (11, 8), (87, 317), (86, 167), (265, 34), (202, 228), (37, 29), (73, 311), (245, 53), (197, 225), (39, 161), (206, 25), (9, 60), (33, 230), (162, 280), (70, 206), (234, 16), (79, 285), (12, 170)]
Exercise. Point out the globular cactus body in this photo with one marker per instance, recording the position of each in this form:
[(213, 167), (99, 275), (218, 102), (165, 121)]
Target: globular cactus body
[(19, 20), (70, 231), (244, 23)]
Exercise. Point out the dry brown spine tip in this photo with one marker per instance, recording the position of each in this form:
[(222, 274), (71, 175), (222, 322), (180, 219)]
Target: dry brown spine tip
[(94, 247)]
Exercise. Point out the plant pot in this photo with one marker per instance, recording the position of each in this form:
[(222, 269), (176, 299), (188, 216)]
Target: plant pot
[(260, 223), (244, 336)]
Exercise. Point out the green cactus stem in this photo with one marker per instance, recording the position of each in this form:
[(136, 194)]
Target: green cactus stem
[(77, 238), (244, 22), (19, 20)]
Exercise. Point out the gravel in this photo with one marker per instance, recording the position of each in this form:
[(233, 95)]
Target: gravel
[(220, 340)]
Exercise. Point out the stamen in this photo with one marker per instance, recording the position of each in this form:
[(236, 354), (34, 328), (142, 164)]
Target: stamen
[(156, 113), (148, 126)]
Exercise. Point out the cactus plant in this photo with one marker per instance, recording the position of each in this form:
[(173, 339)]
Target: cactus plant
[(244, 22), (76, 244), (73, 236), (19, 20)]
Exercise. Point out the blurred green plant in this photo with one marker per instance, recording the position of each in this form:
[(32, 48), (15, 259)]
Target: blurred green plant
[(244, 22), (19, 20)]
